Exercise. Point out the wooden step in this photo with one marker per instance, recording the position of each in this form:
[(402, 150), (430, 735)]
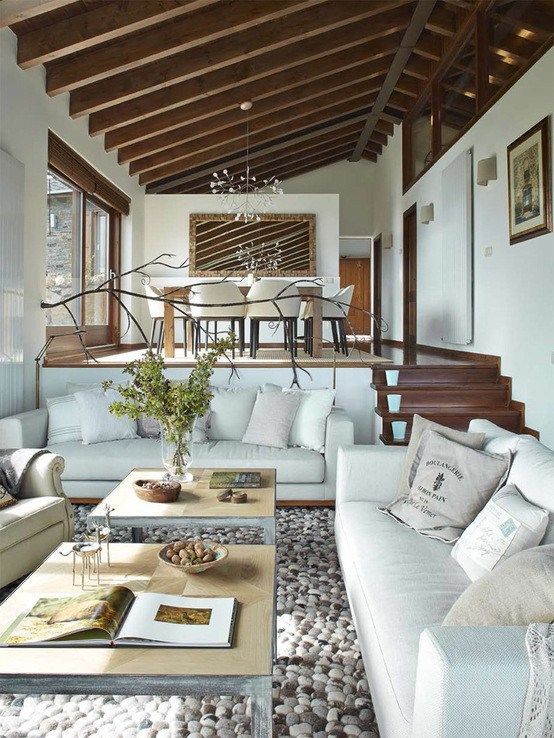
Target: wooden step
[(433, 374), (460, 396), (453, 417)]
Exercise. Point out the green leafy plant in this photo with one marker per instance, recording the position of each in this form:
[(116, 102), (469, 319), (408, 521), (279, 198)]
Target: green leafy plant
[(174, 404)]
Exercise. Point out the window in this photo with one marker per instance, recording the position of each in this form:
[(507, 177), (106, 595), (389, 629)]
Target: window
[(82, 247)]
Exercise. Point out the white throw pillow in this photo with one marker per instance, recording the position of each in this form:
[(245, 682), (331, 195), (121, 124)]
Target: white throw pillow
[(98, 424), (506, 525), (310, 423), (230, 411), (64, 424), (272, 419)]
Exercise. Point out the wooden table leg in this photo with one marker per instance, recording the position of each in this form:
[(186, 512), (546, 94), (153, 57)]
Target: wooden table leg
[(317, 326), (169, 327)]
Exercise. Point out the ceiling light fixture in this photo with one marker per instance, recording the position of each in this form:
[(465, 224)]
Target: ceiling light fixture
[(243, 194)]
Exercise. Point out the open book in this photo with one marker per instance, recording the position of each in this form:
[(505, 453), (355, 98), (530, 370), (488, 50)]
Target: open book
[(238, 480), (116, 616)]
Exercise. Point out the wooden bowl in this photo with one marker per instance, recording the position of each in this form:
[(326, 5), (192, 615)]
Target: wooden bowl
[(220, 552), (168, 493)]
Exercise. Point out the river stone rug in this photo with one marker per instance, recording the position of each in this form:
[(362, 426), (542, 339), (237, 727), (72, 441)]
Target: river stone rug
[(319, 684)]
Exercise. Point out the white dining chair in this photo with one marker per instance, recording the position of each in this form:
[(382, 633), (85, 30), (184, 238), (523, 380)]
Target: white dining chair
[(261, 309), (334, 313), (217, 302)]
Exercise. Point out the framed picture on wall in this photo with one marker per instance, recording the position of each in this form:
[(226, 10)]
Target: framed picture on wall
[(530, 183)]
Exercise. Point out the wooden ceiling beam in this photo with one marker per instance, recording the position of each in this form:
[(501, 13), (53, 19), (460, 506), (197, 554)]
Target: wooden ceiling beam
[(15, 11), (219, 146), (411, 37), (101, 25), (261, 108), (226, 159), (264, 75), (343, 100), (238, 47), (429, 46), (218, 21), (442, 21)]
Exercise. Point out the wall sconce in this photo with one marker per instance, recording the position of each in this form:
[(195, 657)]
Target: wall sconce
[(386, 240), (427, 213), (486, 170)]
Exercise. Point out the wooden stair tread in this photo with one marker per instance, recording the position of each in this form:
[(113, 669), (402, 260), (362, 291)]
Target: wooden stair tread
[(392, 441), (452, 410), (465, 388)]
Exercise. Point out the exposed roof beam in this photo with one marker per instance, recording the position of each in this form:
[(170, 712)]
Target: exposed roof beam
[(264, 125), (208, 24), (262, 75), (106, 23), (442, 21), (267, 105), (237, 47), (15, 11), (420, 17), (199, 156), (227, 159)]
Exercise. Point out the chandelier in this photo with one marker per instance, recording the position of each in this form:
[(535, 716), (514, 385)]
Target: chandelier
[(243, 194)]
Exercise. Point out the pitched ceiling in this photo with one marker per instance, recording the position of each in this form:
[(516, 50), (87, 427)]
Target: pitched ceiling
[(162, 80)]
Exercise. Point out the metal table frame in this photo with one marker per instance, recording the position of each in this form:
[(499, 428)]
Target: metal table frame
[(258, 688), (137, 524)]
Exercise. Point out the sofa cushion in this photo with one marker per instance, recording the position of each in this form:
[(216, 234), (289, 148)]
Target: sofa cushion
[(230, 411), (292, 465), (114, 460), (108, 460), (532, 472), (29, 517), (408, 583)]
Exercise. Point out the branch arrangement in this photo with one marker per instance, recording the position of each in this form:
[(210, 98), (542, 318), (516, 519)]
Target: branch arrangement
[(112, 287)]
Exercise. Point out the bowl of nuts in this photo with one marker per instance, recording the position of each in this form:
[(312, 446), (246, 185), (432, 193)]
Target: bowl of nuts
[(193, 555), (157, 490)]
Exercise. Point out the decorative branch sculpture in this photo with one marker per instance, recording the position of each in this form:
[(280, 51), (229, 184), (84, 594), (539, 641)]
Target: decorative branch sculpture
[(112, 287)]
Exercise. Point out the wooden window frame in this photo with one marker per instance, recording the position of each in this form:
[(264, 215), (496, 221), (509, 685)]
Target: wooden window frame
[(95, 335), (476, 25)]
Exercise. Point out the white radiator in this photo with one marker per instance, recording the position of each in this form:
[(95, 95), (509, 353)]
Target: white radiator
[(457, 251), (12, 191)]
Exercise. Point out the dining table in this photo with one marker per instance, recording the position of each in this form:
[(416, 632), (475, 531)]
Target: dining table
[(308, 292)]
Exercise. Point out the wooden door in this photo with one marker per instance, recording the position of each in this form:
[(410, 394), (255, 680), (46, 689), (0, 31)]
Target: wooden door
[(377, 292), (409, 285), (357, 272)]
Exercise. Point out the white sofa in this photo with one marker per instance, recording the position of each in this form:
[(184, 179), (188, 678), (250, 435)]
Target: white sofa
[(40, 520), (91, 471), (429, 681)]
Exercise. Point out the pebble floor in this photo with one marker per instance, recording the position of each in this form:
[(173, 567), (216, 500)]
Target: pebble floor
[(319, 684)]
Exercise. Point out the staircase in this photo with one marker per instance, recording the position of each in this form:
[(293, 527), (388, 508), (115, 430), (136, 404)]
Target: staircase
[(449, 394)]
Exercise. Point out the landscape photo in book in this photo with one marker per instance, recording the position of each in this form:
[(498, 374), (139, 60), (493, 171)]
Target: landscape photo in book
[(95, 614), (183, 615)]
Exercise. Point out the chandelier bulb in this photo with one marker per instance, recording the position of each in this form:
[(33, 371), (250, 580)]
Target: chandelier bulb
[(246, 105)]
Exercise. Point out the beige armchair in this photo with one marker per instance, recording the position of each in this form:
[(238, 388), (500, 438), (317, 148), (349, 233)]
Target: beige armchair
[(40, 520)]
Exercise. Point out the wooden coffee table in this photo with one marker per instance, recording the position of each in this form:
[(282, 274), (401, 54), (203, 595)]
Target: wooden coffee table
[(197, 505), (248, 574)]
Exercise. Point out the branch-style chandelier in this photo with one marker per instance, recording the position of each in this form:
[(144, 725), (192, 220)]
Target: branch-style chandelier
[(243, 194)]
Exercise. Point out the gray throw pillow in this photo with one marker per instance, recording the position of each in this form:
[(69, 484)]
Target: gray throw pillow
[(519, 591), (451, 485), (272, 418), (419, 426)]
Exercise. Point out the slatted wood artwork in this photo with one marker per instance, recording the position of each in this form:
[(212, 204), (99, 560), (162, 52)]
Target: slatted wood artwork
[(162, 80), (281, 244)]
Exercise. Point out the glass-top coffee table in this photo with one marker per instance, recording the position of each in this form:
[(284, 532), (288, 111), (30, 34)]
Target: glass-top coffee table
[(197, 505), (246, 668)]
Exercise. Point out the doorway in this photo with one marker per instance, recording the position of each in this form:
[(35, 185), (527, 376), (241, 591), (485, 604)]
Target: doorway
[(357, 271), (409, 285), (376, 289)]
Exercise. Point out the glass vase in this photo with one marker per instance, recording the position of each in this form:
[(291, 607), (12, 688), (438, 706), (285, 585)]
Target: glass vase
[(176, 457)]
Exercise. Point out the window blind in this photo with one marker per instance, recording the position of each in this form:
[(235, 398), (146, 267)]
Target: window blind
[(68, 163)]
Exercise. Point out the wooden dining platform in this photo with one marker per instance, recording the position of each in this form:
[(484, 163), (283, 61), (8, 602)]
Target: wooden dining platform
[(307, 292)]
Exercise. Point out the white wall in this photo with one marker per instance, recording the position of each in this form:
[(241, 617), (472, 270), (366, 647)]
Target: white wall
[(352, 181), (26, 114), (514, 289)]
